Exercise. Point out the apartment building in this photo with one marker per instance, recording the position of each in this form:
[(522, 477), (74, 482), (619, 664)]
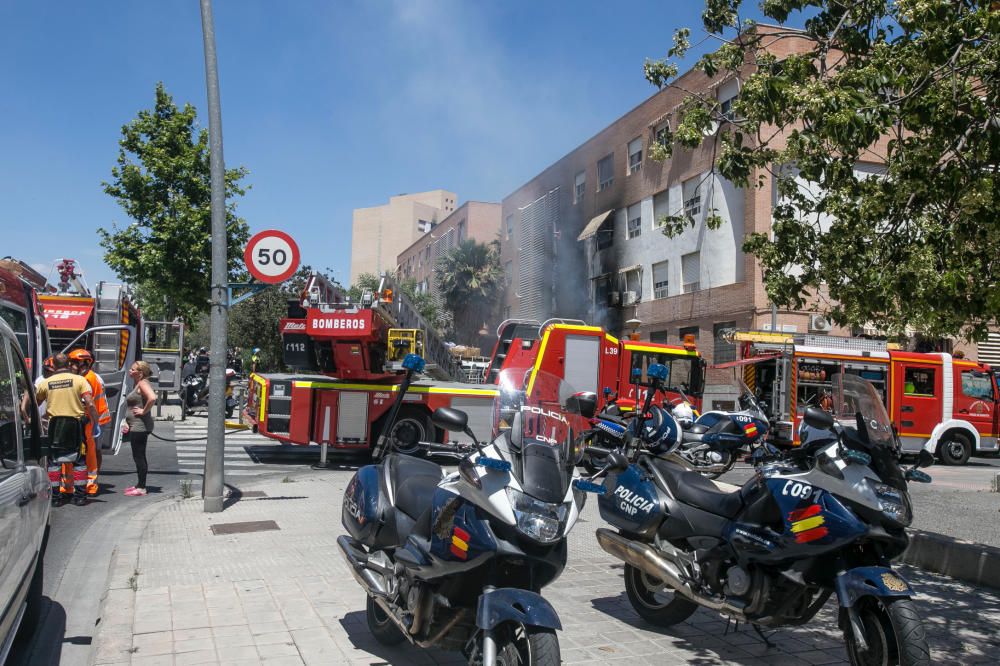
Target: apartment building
[(380, 233), (584, 239), (476, 220)]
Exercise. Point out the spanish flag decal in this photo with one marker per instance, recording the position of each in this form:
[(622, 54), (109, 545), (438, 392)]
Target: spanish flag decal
[(459, 543), (807, 524), (750, 430)]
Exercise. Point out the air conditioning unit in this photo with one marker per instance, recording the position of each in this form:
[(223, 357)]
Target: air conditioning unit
[(614, 297), (819, 324), (629, 298)]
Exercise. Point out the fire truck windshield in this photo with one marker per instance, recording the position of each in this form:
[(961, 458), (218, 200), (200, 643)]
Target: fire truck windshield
[(685, 371)]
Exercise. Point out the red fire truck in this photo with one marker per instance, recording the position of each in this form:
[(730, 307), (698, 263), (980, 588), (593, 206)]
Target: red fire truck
[(20, 308), (345, 401), (939, 403)]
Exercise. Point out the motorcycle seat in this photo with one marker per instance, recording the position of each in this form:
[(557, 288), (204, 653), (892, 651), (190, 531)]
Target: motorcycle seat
[(413, 483), (694, 489)]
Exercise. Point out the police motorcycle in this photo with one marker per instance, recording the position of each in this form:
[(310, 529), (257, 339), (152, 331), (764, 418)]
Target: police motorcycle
[(824, 519), (712, 443), (457, 560)]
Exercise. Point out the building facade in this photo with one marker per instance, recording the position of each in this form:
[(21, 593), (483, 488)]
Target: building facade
[(475, 220), (584, 240), (380, 233)]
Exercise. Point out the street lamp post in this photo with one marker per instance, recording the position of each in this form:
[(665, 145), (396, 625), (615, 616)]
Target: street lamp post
[(213, 484)]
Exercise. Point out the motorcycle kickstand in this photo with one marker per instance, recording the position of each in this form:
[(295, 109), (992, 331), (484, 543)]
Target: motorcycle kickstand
[(760, 632)]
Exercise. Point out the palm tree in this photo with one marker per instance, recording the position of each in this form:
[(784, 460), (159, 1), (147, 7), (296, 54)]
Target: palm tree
[(470, 281)]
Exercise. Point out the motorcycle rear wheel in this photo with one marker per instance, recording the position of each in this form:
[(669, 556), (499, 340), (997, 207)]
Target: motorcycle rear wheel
[(518, 645), (654, 603), (894, 632), (381, 625)]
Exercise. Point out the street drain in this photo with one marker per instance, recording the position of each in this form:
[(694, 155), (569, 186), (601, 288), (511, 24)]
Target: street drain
[(244, 528)]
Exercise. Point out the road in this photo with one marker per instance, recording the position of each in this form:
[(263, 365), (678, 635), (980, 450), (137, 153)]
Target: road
[(82, 539)]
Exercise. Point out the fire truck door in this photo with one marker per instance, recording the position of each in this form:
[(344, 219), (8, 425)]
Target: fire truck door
[(975, 402), (117, 383), (917, 399)]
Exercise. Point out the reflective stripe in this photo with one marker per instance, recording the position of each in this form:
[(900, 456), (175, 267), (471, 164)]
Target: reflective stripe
[(100, 397), (393, 388)]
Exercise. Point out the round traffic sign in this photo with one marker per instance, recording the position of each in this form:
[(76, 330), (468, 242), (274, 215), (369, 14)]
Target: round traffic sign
[(271, 256)]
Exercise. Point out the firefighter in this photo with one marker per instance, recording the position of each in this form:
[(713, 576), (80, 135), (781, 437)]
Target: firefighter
[(82, 363), (69, 405)]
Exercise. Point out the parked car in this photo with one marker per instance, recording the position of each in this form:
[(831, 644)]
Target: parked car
[(24, 496)]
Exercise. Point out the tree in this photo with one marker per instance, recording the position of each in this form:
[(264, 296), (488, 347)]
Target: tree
[(423, 301), (366, 281), (470, 280), (162, 182), (911, 87)]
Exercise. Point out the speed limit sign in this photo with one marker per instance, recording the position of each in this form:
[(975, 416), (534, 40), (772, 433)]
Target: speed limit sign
[(271, 256)]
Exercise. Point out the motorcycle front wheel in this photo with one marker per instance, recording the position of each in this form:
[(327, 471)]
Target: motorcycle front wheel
[(518, 645), (654, 602), (893, 631)]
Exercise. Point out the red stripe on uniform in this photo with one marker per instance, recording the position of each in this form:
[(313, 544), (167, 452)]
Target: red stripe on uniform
[(808, 512)]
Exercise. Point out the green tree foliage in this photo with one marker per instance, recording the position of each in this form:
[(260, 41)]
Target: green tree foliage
[(470, 280), (366, 281), (162, 182), (423, 301), (910, 86)]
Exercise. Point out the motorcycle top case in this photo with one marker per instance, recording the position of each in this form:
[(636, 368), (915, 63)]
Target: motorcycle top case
[(631, 502), (365, 505)]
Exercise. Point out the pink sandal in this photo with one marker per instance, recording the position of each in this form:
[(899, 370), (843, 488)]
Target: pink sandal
[(135, 492)]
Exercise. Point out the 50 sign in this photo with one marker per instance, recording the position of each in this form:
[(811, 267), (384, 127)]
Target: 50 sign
[(271, 256)]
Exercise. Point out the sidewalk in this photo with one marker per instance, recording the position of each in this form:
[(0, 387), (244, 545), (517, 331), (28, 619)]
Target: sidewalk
[(179, 594)]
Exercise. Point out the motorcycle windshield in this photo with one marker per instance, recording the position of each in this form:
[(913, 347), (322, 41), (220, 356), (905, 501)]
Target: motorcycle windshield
[(538, 413), (748, 402), (856, 403)]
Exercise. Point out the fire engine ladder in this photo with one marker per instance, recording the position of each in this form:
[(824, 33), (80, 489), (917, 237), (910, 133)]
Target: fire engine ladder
[(404, 314), (507, 332), (107, 346)]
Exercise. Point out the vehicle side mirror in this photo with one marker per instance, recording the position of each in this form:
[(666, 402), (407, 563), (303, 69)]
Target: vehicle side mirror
[(818, 418), (583, 403), (617, 461), (925, 458), (452, 420)]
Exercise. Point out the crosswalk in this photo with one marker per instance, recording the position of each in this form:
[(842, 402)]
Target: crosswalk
[(246, 453)]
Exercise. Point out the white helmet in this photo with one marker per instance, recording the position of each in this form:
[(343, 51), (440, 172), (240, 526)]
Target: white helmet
[(683, 413)]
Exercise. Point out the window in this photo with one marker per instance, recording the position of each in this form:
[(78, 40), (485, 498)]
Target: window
[(660, 134), (660, 281), (659, 337), (634, 155), (508, 273), (661, 207), (725, 348), (977, 385), (461, 231), (605, 172), (919, 381), (634, 221), (427, 254), (691, 269), (606, 233), (16, 318), (686, 331), (631, 282), (579, 186), (26, 399), (510, 227), (692, 198), (8, 414), (728, 92)]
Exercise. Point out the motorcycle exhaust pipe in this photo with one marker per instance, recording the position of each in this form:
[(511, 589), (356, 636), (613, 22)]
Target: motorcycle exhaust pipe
[(656, 564), (358, 562)]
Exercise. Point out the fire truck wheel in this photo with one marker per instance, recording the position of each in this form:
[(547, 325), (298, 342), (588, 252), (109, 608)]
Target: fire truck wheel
[(954, 449), (411, 427)]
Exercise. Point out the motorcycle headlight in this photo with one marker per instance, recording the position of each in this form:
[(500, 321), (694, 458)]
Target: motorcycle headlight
[(538, 520), (894, 503)]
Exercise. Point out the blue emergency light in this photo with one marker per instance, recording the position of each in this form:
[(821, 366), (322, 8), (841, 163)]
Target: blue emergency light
[(589, 486), (658, 371), (414, 362), (493, 463)]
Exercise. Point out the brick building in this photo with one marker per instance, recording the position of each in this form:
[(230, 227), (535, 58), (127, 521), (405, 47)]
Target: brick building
[(582, 238), (380, 233), (476, 220)]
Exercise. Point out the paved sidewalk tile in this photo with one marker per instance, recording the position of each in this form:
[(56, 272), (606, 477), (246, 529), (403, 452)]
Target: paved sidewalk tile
[(286, 597)]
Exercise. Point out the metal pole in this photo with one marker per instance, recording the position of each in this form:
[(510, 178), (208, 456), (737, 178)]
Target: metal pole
[(213, 480), (774, 318)]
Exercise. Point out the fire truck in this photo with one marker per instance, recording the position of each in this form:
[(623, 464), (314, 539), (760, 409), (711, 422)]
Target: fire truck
[(20, 308), (352, 379), (938, 403)]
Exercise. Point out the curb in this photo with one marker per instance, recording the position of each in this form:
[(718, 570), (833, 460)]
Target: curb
[(112, 640), (966, 561)]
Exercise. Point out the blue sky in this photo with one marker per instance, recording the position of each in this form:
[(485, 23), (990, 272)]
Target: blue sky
[(331, 105)]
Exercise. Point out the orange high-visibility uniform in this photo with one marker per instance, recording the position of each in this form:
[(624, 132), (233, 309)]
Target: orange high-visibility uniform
[(103, 418), (63, 393)]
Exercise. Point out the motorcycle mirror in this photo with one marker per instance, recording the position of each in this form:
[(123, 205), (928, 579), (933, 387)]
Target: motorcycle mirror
[(617, 461), (817, 418), (453, 420), (583, 403), (925, 458)]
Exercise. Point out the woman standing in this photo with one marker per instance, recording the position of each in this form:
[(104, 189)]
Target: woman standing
[(139, 423)]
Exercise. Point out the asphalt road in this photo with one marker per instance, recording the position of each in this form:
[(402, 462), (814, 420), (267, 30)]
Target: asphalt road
[(82, 539)]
